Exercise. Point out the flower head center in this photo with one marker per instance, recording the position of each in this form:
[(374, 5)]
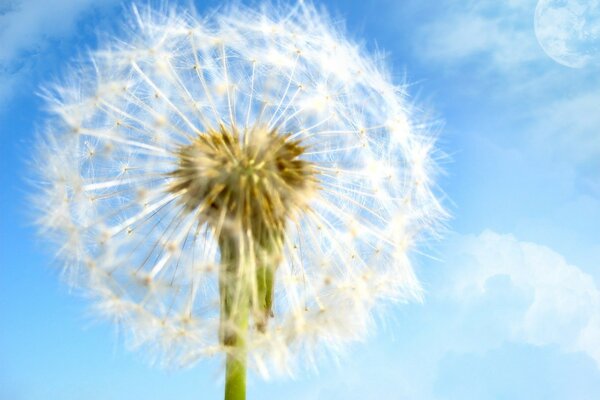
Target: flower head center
[(254, 181)]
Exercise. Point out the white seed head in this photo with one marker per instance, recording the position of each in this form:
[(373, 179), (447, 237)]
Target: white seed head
[(258, 138)]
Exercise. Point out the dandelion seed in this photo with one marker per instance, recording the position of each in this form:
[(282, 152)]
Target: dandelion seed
[(246, 184)]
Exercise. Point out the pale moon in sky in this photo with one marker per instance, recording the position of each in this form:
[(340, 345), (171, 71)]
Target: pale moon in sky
[(569, 31)]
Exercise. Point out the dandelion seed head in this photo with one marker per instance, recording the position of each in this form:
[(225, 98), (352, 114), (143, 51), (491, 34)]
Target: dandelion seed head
[(251, 162)]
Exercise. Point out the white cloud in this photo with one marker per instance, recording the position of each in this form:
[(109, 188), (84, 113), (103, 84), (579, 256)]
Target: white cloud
[(562, 305), (26, 28), (502, 38), (487, 54), (569, 126), (28, 22)]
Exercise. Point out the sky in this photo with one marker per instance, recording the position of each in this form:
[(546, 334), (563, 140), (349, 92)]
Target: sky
[(512, 303)]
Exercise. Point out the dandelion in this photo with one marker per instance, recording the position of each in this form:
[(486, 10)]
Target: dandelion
[(246, 184)]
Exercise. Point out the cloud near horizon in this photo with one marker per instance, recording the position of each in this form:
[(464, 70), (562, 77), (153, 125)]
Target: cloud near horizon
[(501, 317), (533, 295)]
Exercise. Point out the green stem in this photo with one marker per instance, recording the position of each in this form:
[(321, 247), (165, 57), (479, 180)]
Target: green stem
[(235, 307), (235, 378), (235, 366), (236, 301)]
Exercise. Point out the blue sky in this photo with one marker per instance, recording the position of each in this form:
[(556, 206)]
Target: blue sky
[(512, 309)]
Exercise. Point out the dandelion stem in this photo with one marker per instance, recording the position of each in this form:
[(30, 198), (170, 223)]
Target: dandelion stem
[(235, 305), (235, 377), (239, 260)]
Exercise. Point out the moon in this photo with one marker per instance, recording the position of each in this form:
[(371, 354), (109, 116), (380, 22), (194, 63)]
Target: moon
[(569, 31)]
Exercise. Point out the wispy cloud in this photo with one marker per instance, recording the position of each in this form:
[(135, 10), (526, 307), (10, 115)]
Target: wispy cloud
[(498, 35), (27, 27), (488, 51), (569, 126)]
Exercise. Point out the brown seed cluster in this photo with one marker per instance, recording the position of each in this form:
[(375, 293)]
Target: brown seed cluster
[(239, 183)]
